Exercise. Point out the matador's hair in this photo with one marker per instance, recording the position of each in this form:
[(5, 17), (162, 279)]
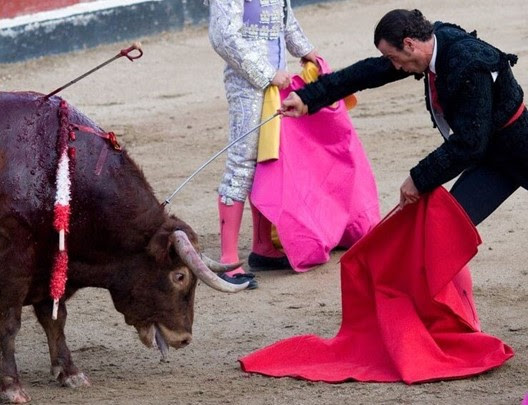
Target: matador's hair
[(399, 24)]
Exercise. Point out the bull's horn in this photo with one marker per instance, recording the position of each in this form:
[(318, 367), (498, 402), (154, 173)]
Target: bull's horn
[(192, 260), (219, 267)]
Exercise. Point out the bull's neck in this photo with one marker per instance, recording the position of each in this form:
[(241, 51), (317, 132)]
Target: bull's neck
[(100, 275)]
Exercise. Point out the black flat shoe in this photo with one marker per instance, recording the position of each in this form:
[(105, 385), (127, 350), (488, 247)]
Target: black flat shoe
[(259, 262), (240, 278)]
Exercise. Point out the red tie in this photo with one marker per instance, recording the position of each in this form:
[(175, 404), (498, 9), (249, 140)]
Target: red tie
[(434, 95)]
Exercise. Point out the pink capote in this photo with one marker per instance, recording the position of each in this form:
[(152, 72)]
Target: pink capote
[(321, 192), (408, 309)]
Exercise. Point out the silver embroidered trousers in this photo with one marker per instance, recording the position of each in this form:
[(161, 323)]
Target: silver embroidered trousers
[(245, 107)]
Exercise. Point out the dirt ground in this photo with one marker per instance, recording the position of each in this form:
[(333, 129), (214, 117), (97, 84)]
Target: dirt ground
[(169, 109)]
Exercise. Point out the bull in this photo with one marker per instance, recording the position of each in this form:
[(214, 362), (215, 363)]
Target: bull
[(120, 238)]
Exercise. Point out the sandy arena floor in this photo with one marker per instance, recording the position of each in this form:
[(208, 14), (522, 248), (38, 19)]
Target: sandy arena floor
[(169, 110)]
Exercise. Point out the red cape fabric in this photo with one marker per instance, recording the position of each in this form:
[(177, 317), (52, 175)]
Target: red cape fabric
[(408, 310)]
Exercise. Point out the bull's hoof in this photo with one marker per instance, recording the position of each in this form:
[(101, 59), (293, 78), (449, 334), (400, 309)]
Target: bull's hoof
[(74, 381), (70, 379), (14, 395)]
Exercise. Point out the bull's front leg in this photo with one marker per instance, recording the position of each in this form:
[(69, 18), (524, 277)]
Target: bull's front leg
[(62, 367), (11, 390)]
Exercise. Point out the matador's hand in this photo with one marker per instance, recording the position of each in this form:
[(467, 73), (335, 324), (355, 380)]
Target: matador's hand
[(409, 194), (310, 57), (292, 106), (282, 79)]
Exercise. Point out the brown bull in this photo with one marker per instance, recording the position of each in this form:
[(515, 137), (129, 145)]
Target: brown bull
[(120, 238)]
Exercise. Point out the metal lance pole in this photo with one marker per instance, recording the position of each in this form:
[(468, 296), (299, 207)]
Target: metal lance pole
[(168, 199), (136, 46)]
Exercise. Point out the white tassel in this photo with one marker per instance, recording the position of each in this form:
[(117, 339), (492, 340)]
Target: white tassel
[(61, 240), (63, 181), (55, 309)]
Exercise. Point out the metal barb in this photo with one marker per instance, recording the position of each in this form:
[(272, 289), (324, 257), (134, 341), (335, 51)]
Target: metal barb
[(136, 46), (203, 166)]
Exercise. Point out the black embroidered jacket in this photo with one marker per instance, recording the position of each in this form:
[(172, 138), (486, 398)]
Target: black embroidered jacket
[(475, 106)]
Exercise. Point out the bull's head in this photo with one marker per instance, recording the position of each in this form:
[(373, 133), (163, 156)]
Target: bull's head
[(157, 294)]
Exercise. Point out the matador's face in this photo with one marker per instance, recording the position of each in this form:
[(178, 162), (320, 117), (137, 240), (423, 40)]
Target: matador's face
[(412, 58)]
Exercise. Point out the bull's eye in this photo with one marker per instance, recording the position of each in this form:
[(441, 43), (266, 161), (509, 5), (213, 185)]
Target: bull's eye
[(178, 277)]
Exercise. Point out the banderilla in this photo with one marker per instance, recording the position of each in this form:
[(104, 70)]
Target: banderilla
[(136, 46), (168, 199)]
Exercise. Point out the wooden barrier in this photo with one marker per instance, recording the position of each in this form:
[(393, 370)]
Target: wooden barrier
[(33, 28)]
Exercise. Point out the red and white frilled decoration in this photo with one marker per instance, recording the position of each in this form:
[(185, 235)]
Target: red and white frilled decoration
[(61, 212)]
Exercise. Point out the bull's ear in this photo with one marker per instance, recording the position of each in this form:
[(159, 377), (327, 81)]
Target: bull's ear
[(178, 224), (160, 248)]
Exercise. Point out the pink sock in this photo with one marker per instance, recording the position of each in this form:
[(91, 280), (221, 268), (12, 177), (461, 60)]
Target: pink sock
[(262, 243), (230, 219)]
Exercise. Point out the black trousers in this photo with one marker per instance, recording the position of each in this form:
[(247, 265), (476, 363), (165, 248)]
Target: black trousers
[(480, 191)]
